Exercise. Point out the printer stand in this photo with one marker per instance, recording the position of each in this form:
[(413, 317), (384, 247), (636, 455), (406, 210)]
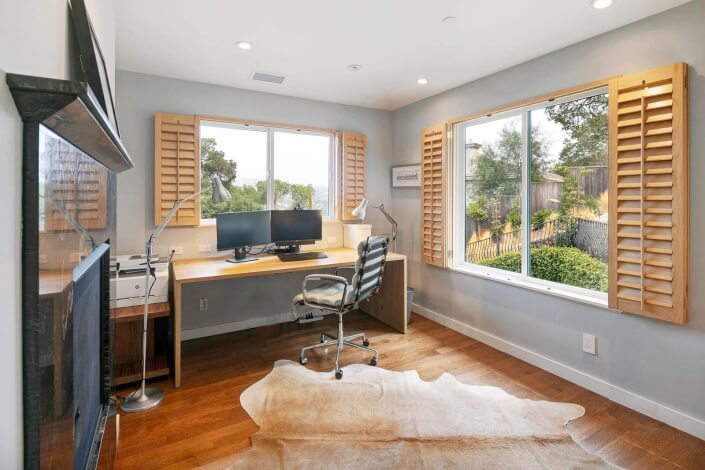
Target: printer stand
[(127, 345)]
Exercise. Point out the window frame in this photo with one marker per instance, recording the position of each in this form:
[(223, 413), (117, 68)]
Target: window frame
[(270, 129), (458, 203)]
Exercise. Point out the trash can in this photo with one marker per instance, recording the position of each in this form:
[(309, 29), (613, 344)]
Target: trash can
[(409, 303)]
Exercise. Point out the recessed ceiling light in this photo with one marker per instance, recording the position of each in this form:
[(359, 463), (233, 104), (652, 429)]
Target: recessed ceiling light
[(244, 45), (449, 19), (354, 67), (600, 4), (422, 81)]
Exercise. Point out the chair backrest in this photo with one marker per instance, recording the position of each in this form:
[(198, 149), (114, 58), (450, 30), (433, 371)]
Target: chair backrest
[(369, 268)]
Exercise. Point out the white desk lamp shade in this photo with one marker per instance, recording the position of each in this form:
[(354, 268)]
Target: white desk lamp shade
[(360, 212)]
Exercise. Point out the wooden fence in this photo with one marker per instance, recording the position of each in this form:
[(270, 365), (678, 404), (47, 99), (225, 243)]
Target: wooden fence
[(589, 236)]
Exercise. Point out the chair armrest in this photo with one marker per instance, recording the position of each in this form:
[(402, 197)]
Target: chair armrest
[(325, 277)]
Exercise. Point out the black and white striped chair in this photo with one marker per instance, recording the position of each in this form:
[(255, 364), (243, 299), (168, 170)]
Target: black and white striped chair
[(333, 293)]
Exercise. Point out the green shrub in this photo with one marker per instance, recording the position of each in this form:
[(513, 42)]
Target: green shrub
[(514, 214), (477, 209), (539, 218), (565, 265)]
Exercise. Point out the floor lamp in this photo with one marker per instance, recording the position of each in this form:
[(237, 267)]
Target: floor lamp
[(147, 398), (360, 212)]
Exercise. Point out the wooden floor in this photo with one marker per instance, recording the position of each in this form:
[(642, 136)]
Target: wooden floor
[(203, 425)]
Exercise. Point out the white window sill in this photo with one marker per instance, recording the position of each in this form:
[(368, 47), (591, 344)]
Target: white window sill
[(208, 223), (596, 300)]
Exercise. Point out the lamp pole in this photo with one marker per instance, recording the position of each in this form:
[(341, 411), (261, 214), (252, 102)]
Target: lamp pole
[(148, 398)]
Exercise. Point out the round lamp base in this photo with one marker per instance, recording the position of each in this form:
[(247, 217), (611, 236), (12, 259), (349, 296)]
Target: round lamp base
[(141, 402)]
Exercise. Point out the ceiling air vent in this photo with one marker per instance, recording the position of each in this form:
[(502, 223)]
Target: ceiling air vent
[(267, 77)]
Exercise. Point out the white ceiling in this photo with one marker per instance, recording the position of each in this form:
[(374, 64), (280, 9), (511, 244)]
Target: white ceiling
[(396, 41)]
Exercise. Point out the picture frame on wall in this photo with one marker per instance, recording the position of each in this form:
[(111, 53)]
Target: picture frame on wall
[(406, 176), (91, 60)]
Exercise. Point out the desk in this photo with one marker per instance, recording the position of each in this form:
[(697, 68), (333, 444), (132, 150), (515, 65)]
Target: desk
[(388, 305)]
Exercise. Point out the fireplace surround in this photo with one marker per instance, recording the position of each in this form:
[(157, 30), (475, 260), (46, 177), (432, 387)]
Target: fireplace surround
[(71, 155)]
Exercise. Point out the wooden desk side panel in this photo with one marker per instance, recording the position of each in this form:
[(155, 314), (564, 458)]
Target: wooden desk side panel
[(389, 304)]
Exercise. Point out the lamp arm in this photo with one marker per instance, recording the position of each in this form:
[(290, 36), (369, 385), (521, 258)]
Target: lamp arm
[(390, 219), (170, 215)]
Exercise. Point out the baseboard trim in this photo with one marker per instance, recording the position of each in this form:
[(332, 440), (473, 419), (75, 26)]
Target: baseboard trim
[(219, 329), (657, 411)]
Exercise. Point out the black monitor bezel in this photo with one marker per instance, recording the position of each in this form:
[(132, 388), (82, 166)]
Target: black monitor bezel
[(306, 241), (236, 247)]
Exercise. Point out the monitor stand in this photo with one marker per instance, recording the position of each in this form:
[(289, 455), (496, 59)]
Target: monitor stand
[(241, 256), (285, 249)]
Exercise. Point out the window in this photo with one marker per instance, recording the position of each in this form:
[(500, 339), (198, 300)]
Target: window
[(531, 194), (267, 168)]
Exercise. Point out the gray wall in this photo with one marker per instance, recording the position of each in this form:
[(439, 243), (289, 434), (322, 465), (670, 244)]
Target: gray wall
[(33, 41), (654, 359), (143, 95)]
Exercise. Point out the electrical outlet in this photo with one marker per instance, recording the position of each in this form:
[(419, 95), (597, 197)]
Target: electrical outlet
[(203, 304), (207, 248), (43, 259), (177, 250), (332, 240), (589, 344), (75, 257)]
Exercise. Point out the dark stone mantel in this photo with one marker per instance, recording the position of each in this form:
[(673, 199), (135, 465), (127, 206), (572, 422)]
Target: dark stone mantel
[(70, 109)]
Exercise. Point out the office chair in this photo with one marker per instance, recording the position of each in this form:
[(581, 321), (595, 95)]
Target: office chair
[(333, 293)]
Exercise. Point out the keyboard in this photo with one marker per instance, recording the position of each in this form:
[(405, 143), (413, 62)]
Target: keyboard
[(302, 256)]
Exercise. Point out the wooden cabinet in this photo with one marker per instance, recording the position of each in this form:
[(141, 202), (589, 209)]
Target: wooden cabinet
[(127, 346)]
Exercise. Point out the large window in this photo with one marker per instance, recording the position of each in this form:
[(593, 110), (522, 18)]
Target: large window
[(267, 168), (531, 194)]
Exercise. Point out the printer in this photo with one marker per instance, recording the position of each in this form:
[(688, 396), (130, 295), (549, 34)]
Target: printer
[(128, 284)]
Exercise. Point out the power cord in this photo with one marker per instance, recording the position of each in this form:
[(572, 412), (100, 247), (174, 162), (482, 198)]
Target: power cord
[(149, 292), (265, 248)]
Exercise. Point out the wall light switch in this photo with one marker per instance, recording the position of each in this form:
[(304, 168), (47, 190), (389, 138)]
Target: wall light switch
[(589, 344), (207, 248), (43, 259), (177, 250)]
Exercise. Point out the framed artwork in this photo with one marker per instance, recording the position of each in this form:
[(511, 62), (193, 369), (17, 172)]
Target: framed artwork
[(406, 176), (91, 60)]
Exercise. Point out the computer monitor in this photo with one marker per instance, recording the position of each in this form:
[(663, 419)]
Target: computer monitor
[(296, 227), (240, 230)]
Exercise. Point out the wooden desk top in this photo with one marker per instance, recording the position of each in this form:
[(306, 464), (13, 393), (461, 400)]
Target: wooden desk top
[(209, 269)]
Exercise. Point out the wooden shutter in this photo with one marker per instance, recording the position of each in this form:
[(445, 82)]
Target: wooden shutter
[(77, 183), (648, 189), (433, 181), (177, 168), (354, 152)]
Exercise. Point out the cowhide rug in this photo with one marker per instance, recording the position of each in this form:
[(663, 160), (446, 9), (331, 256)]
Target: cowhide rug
[(374, 418)]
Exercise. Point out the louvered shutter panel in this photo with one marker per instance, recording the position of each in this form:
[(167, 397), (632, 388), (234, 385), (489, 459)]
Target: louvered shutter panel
[(177, 168), (76, 183), (433, 163), (648, 216), (354, 153)]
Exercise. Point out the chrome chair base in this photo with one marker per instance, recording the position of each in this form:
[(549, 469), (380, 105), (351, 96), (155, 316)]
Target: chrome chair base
[(340, 342)]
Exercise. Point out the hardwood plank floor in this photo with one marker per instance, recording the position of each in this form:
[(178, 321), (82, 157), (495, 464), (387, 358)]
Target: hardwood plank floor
[(202, 425)]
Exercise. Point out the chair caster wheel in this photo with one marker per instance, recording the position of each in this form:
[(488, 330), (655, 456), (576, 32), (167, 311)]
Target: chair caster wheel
[(373, 362), (339, 375), (303, 361), (365, 342)]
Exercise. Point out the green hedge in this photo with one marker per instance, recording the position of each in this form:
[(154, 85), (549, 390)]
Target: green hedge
[(565, 265)]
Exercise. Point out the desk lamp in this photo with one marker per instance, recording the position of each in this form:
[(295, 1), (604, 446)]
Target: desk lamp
[(147, 398), (360, 212)]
